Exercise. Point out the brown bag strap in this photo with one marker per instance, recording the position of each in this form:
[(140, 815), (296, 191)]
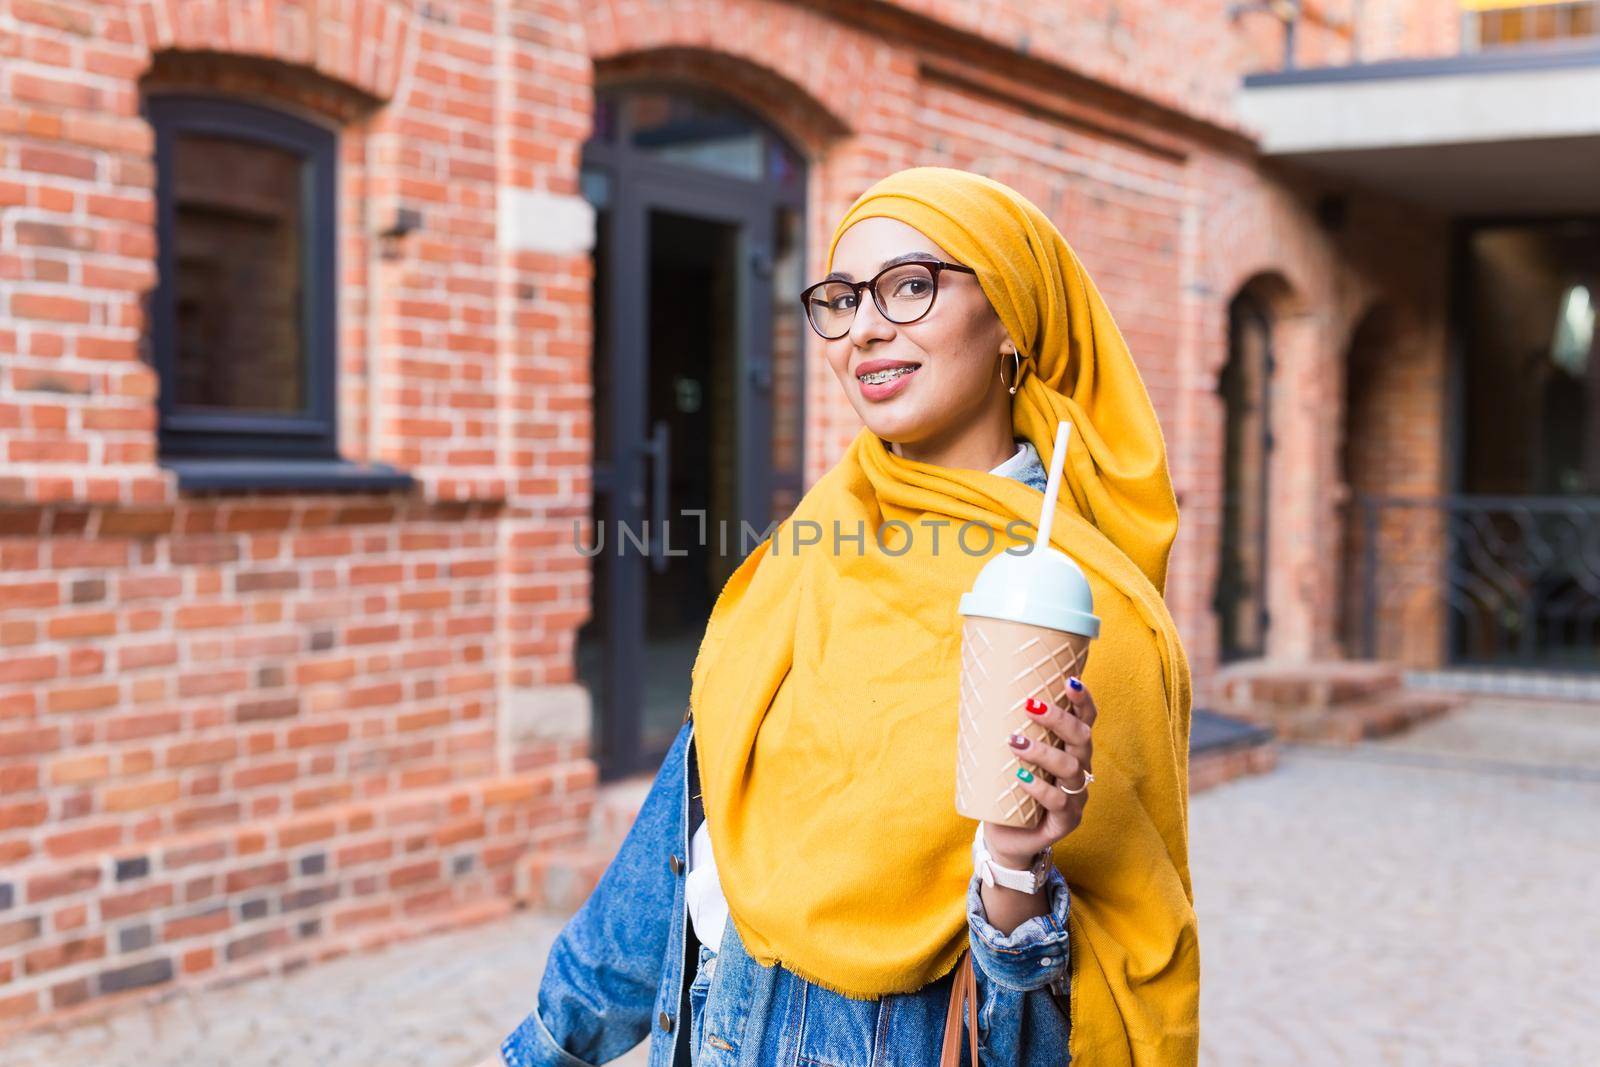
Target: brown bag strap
[(964, 988)]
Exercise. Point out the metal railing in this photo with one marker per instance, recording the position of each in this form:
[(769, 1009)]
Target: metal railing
[(1488, 580)]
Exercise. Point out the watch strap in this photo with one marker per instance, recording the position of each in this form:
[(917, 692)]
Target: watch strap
[(1030, 880)]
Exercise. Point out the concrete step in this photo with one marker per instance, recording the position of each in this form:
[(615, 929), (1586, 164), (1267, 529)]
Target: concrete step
[(1334, 701), (1348, 723), (1255, 688), (1394, 713)]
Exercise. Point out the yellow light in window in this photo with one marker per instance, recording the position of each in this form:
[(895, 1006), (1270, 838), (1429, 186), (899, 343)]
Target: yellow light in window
[(1499, 5)]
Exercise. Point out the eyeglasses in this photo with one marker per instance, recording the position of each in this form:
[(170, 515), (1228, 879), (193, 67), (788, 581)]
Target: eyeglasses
[(903, 293)]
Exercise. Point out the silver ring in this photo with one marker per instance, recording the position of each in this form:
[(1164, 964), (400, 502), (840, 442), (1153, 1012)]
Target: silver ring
[(1087, 778)]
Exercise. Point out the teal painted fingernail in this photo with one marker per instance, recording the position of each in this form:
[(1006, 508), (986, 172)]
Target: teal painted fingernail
[(1024, 774)]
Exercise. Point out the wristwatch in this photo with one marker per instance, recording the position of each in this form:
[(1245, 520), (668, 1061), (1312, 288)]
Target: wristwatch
[(1029, 881)]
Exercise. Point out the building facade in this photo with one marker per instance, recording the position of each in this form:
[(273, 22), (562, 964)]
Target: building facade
[(328, 330)]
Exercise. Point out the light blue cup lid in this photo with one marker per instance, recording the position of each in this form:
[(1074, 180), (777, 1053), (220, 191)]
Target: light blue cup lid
[(1042, 587)]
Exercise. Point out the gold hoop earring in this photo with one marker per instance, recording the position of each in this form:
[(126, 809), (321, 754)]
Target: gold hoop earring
[(1016, 372)]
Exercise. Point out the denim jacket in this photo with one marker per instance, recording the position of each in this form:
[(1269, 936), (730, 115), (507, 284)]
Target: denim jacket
[(628, 966)]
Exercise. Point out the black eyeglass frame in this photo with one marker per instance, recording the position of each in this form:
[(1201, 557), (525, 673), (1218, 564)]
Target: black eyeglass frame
[(935, 266)]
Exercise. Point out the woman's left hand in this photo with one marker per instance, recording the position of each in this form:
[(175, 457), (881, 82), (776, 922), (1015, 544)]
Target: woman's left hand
[(1015, 847)]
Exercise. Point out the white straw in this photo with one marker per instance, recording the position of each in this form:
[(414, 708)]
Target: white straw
[(1047, 512)]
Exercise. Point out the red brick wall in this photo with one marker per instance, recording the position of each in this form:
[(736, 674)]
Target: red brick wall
[(246, 730), (253, 729), (1336, 32), (1414, 29)]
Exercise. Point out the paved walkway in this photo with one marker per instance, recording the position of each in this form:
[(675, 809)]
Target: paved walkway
[(1424, 900), (439, 1001)]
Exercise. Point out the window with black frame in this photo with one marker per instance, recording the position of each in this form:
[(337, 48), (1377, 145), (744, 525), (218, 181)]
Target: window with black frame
[(243, 318)]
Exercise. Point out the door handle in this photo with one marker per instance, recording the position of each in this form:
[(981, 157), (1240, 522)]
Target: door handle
[(657, 450), (761, 262)]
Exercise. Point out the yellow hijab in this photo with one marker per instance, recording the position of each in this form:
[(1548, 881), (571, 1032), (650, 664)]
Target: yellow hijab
[(824, 694)]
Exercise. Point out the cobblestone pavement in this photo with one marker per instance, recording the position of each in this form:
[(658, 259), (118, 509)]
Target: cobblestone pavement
[(1427, 900), (440, 1001)]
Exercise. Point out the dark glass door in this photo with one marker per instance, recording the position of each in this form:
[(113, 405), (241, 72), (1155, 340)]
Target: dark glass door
[(1523, 530), (685, 315)]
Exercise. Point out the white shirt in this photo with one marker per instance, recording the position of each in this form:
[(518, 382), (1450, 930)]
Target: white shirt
[(708, 908), (1026, 454)]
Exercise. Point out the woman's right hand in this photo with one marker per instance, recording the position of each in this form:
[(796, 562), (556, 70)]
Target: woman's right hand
[(1015, 846)]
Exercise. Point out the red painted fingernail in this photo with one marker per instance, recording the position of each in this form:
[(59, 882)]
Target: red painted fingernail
[(1035, 707)]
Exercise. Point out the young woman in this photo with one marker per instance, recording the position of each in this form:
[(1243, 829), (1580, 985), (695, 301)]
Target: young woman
[(798, 887)]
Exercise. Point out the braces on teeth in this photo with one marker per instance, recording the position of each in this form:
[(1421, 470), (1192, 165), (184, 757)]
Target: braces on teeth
[(884, 375)]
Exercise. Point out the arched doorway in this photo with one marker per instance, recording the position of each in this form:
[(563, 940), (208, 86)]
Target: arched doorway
[(1375, 373), (697, 387), (1245, 386)]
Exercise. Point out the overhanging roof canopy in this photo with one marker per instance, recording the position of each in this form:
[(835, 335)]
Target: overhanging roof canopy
[(1515, 130)]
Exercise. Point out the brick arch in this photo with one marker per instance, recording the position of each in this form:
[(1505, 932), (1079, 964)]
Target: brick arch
[(1380, 317), (1273, 281), (362, 44), (1305, 510), (1273, 286), (1275, 291), (1390, 444), (808, 123)]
